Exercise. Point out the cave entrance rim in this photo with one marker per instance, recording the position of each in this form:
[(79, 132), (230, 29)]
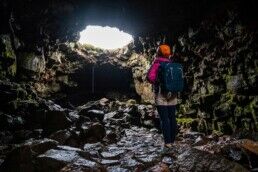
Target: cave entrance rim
[(105, 37)]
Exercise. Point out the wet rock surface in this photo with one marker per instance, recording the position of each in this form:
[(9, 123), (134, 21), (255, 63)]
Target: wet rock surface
[(85, 146)]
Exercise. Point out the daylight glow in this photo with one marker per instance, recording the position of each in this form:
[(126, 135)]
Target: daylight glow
[(105, 37)]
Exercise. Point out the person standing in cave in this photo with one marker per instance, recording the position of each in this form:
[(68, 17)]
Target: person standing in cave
[(165, 101)]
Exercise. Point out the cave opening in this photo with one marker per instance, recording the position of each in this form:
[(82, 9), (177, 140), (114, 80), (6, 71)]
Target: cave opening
[(96, 81), (109, 38)]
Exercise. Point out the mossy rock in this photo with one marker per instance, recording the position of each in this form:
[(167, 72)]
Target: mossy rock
[(90, 48), (222, 112), (19, 104), (225, 128), (185, 122), (216, 132), (238, 111), (246, 124), (251, 111), (31, 62), (7, 57), (203, 126)]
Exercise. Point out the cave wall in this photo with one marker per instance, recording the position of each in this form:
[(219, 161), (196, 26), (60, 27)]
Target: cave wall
[(220, 58), (220, 65), (216, 41)]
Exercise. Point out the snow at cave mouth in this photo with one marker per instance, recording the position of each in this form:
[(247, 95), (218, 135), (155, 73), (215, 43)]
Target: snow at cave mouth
[(109, 38)]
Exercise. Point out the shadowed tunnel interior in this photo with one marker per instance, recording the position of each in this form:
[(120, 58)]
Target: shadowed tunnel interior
[(102, 80)]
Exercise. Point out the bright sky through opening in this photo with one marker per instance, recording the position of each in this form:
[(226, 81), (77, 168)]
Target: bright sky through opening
[(105, 37)]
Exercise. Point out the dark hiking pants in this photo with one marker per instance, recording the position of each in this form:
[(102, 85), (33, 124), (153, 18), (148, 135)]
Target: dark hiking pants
[(168, 124)]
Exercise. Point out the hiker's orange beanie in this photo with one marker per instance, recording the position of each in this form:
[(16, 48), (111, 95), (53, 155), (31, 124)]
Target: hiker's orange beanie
[(165, 50)]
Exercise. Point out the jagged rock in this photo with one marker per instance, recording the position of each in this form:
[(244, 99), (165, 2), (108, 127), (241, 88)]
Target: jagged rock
[(7, 95), (167, 160), (31, 64), (103, 101), (117, 169), (6, 137), (131, 163), (8, 122), (148, 123), (4, 149), (98, 114), (55, 120), (108, 116), (73, 116), (112, 154), (200, 141), (160, 168), (29, 150), (192, 135), (41, 146), (7, 57), (97, 131), (140, 66), (93, 146), (93, 149), (235, 83), (111, 137), (19, 159), (54, 159), (84, 108), (83, 165), (196, 160), (234, 153), (60, 136), (109, 162), (148, 160), (22, 105), (93, 132)]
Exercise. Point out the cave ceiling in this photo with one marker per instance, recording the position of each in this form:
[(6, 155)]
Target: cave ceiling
[(63, 20), (37, 22)]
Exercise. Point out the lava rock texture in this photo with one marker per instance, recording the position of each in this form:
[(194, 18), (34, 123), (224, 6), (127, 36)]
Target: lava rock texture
[(52, 118)]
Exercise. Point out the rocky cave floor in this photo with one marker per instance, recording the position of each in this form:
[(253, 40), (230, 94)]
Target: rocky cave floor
[(108, 135)]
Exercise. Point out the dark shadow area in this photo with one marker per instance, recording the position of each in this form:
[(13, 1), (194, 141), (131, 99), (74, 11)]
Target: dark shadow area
[(98, 81)]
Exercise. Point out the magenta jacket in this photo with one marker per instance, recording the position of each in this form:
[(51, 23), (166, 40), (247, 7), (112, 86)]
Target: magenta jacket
[(153, 71)]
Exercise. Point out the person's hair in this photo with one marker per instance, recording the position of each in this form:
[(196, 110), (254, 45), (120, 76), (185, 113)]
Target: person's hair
[(163, 47)]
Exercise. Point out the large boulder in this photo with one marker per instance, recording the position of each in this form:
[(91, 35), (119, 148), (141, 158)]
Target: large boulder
[(8, 122), (140, 66), (31, 64), (92, 132), (41, 146), (56, 120), (61, 136), (19, 159), (196, 160), (56, 159)]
